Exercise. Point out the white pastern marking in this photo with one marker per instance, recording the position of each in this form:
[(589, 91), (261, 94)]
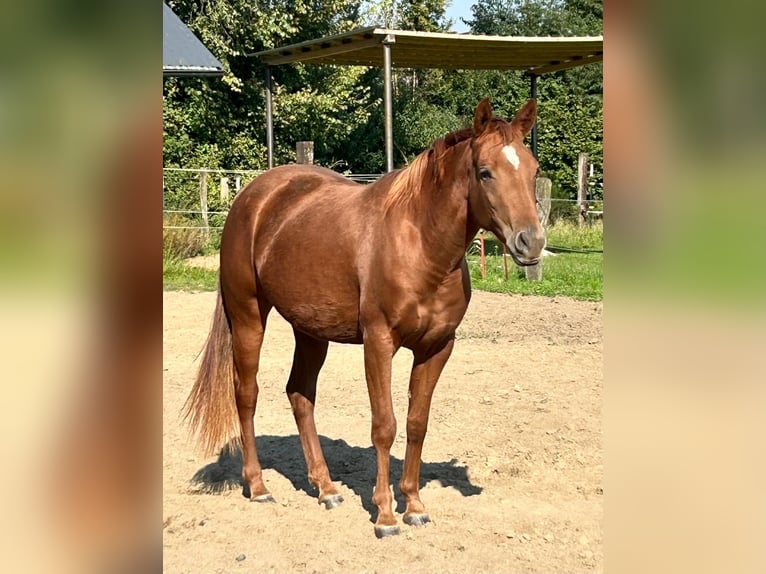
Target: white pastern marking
[(510, 154)]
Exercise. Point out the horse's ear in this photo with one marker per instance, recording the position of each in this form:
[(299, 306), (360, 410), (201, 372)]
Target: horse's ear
[(526, 117), (482, 117)]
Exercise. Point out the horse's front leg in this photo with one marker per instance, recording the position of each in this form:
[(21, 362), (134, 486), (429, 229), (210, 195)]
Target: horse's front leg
[(378, 354), (425, 372)]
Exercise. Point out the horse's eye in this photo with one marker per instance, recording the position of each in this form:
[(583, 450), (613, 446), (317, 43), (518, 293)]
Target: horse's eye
[(485, 174)]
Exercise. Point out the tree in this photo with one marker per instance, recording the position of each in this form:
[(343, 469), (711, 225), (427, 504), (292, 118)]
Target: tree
[(537, 17), (215, 123), (416, 15), (424, 16)]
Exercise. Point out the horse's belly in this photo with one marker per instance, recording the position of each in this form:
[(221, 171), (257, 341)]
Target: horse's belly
[(311, 280), (325, 321), (324, 308)]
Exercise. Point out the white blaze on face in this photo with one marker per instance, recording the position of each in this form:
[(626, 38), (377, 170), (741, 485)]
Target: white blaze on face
[(510, 154)]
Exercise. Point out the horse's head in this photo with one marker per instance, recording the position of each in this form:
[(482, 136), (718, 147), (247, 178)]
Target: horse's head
[(502, 190)]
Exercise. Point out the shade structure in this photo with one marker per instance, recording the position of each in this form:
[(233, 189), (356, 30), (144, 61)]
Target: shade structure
[(362, 47), (387, 49)]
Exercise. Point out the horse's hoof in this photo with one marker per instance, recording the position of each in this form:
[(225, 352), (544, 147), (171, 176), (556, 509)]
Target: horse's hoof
[(416, 519), (264, 498), (383, 531), (331, 501)]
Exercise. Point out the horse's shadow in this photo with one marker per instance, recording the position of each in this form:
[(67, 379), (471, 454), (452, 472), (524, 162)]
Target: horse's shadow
[(352, 466)]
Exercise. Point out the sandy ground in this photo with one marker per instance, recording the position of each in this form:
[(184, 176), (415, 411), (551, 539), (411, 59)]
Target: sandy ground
[(512, 464)]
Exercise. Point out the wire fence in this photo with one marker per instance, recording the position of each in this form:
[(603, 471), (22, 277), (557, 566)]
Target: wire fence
[(199, 199)]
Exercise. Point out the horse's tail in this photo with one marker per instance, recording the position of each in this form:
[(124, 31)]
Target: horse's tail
[(211, 408)]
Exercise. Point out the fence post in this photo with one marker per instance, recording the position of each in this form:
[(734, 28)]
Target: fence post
[(304, 152), (203, 198), (482, 255), (582, 187), (224, 190), (543, 195)]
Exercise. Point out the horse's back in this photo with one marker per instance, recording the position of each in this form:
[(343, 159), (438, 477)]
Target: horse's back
[(284, 186), (293, 235)]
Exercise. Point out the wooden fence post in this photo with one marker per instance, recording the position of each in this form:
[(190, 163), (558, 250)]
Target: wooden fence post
[(224, 190), (304, 152), (505, 260), (482, 255), (203, 197), (582, 187), (543, 195)]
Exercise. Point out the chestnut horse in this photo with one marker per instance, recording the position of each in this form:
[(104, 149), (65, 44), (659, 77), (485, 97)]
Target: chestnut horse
[(381, 265)]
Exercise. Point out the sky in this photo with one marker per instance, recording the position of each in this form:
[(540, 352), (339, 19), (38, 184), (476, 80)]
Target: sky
[(459, 9)]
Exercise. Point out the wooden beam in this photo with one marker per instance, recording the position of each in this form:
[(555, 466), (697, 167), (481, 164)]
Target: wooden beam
[(469, 60), (590, 59), (316, 51)]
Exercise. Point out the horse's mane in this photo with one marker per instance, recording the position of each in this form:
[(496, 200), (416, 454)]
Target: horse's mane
[(409, 181)]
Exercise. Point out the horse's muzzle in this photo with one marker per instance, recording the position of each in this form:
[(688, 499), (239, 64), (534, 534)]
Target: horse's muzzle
[(527, 246)]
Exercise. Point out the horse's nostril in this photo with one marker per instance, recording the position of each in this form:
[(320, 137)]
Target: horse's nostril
[(522, 243), (530, 242)]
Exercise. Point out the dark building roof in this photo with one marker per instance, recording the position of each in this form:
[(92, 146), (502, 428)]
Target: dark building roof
[(182, 52)]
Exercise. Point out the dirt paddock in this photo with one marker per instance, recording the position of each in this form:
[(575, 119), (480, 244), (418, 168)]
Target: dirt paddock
[(512, 464)]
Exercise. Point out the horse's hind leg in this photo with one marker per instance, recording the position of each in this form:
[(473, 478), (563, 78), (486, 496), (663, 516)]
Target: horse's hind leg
[(309, 357), (248, 322)]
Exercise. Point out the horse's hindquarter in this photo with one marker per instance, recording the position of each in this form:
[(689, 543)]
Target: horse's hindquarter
[(305, 249)]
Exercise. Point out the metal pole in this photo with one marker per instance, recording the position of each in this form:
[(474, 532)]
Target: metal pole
[(387, 105), (533, 95), (269, 121)]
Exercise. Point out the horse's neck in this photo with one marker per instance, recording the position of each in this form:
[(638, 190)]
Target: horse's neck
[(443, 215)]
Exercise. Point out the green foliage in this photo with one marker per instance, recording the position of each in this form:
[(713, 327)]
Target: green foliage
[(202, 129), (537, 17), (418, 15), (423, 15), (331, 104), (419, 123), (211, 122), (568, 125)]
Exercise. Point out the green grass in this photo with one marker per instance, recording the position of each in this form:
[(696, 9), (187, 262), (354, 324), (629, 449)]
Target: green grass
[(572, 236), (577, 275), (177, 276)]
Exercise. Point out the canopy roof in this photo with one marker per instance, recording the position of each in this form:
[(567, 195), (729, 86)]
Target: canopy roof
[(182, 53), (361, 47)]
